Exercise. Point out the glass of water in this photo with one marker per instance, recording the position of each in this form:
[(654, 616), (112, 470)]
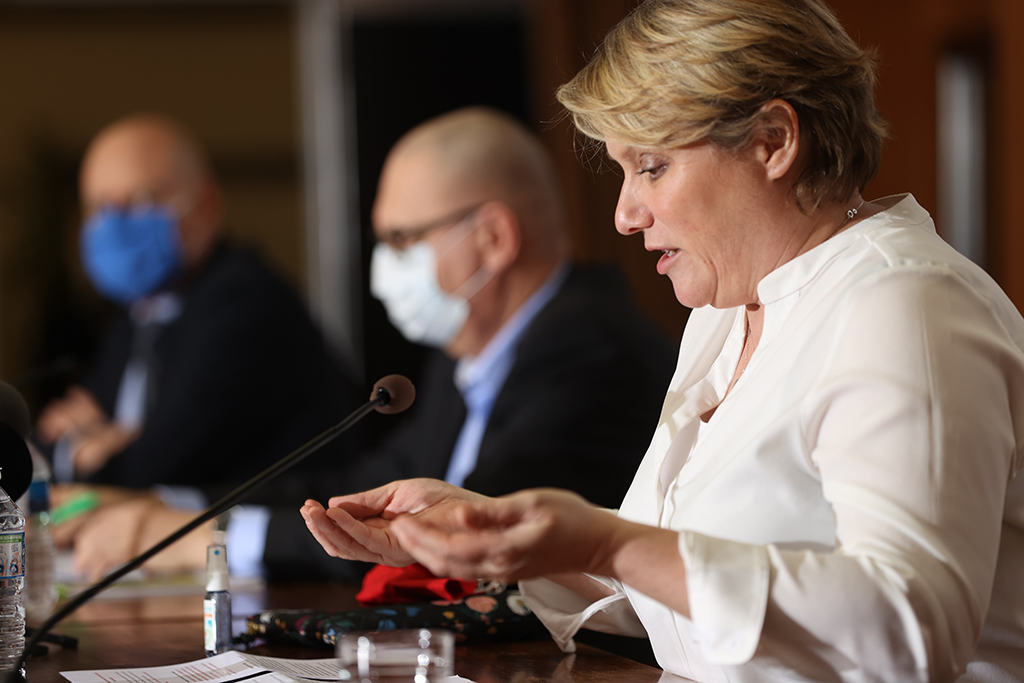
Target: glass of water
[(415, 655)]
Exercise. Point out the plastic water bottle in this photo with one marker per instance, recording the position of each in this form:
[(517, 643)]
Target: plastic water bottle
[(12, 581), (41, 555)]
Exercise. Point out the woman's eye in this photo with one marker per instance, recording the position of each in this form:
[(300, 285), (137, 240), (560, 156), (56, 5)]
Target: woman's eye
[(653, 171)]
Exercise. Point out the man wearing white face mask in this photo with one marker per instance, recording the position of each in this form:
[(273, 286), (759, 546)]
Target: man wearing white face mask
[(540, 374), (214, 365), (545, 373), (406, 281)]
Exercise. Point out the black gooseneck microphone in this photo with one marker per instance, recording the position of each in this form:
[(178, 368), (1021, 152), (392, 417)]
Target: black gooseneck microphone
[(15, 426), (391, 394)]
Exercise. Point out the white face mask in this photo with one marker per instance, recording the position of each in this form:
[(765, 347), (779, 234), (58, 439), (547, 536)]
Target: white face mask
[(406, 282)]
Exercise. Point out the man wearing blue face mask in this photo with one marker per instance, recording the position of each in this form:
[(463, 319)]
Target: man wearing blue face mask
[(214, 367), (129, 252)]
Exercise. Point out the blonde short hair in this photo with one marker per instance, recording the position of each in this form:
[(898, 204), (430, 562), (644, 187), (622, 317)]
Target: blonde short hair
[(676, 72)]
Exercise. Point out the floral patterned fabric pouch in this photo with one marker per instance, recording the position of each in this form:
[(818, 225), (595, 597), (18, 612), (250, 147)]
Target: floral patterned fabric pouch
[(485, 617), (409, 597)]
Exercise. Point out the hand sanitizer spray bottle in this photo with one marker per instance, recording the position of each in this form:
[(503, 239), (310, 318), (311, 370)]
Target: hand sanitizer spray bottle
[(217, 603)]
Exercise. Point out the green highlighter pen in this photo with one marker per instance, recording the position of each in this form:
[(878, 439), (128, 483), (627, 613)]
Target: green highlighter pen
[(79, 505)]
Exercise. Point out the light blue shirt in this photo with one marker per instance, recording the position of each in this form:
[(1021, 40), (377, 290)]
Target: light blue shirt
[(160, 309)]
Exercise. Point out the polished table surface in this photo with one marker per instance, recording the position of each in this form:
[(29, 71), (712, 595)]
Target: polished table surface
[(158, 631)]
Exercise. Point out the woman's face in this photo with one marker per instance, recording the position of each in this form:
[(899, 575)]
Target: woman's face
[(706, 210)]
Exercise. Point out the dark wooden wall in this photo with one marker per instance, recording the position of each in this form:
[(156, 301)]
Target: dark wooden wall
[(910, 36)]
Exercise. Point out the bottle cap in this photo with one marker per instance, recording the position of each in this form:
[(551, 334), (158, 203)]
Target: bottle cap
[(216, 568), (38, 496)]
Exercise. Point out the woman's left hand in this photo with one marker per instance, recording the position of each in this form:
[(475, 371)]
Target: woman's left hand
[(526, 534)]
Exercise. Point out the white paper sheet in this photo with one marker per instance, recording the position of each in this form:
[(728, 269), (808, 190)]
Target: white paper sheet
[(224, 668)]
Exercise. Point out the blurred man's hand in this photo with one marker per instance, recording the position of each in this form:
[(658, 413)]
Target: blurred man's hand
[(94, 438), (78, 411), (64, 533), (117, 533), (92, 450)]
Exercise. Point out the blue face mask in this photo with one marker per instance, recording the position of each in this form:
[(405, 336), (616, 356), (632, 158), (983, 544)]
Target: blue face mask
[(130, 253)]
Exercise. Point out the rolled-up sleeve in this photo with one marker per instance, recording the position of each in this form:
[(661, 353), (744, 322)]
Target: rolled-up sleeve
[(728, 587)]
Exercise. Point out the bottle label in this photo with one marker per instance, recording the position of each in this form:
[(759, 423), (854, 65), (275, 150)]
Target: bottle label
[(12, 555), (210, 625)]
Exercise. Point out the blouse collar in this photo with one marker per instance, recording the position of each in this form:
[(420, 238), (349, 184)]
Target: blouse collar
[(794, 275)]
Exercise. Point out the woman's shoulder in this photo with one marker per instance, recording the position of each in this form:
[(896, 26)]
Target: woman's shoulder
[(907, 269), (893, 248), (901, 244)]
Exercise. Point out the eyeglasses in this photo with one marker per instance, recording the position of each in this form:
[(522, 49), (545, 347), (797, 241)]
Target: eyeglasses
[(402, 238)]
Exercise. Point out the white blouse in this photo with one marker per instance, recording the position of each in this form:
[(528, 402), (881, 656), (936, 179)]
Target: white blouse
[(851, 512)]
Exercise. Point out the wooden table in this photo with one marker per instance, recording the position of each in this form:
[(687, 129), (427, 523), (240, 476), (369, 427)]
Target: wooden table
[(156, 631)]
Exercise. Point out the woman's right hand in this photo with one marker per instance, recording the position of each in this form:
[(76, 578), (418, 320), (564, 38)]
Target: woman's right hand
[(536, 532), (358, 526)]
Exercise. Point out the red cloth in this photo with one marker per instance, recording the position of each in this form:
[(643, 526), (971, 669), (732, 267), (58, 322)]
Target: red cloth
[(387, 585)]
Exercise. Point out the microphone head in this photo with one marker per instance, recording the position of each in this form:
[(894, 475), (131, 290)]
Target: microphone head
[(15, 463), (14, 411), (400, 393), (15, 459)]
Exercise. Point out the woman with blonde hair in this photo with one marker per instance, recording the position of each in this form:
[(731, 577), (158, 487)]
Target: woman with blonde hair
[(831, 491)]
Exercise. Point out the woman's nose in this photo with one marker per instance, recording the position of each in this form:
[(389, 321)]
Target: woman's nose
[(631, 215)]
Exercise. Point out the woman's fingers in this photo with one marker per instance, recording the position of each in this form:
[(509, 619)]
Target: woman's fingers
[(527, 534), (358, 526), (374, 534), (445, 553), (487, 555), (401, 497), (365, 504), (327, 534), (341, 535), (476, 540)]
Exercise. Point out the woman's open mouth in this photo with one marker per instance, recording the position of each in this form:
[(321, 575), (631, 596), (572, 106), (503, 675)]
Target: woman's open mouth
[(666, 259)]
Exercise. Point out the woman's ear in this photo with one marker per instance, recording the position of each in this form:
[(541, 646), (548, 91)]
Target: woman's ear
[(498, 237), (778, 142)]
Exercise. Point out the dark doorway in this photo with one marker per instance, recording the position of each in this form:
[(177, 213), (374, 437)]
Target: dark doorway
[(405, 73)]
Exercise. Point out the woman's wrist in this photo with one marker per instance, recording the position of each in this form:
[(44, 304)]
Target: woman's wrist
[(647, 559)]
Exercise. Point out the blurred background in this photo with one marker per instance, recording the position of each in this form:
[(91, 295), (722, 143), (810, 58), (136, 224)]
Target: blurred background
[(298, 102)]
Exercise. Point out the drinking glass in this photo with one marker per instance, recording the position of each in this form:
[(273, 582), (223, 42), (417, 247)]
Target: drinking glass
[(415, 655)]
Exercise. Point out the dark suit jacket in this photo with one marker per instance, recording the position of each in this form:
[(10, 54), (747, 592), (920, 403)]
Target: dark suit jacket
[(243, 378), (577, 411)]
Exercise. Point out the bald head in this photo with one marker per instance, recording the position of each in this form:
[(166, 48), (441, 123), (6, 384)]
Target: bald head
[(141, 155), (151, 159), (467, 157), (479, 189)]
